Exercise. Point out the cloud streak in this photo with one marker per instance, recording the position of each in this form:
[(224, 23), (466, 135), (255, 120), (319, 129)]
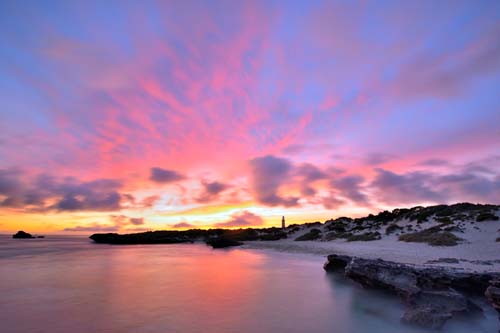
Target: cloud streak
[(241, 220)]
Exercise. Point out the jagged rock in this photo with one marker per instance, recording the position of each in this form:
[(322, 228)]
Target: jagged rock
[(222, 242), (493, 294), (383, 274), (431, 309), (336, 262), (432, 295), (425, 317), (443, 260), (22, 234)]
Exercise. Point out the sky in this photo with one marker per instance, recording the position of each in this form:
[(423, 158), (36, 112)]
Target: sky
[(126, 116)]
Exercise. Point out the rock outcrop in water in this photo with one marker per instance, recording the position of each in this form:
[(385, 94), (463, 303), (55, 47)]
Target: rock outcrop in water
[(432, 295), (156, 237), (192, 235), (222, 242), (22, 234), (493, 294)]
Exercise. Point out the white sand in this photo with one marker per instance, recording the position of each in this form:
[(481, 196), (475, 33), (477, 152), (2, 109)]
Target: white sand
[(478, 252)]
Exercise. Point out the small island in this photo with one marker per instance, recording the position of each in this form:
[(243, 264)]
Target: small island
[(24, 235)]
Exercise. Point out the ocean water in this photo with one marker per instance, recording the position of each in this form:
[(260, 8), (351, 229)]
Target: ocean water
[(69, 284)]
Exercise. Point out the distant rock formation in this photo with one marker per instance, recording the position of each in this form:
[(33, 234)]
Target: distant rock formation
[(189, 236), (22, 234), (222, 242)]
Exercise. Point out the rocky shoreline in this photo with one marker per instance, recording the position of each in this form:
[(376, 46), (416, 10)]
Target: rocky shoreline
[(431, 295)]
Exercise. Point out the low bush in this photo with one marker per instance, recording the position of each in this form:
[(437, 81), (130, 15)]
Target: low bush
[(337, 235), (367, 236), (444, 220), (273, 236), (486, 216), (392, 229), (311, 235), (433, 236)]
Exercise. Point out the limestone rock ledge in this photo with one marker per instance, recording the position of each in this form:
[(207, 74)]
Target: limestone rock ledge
[(431, 295)]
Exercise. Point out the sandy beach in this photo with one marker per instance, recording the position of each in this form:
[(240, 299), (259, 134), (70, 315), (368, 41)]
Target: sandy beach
[(478, 251)]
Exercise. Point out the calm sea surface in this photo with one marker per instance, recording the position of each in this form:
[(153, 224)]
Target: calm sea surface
[(69, 284)]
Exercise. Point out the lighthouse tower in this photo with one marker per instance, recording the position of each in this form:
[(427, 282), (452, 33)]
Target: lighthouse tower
[(283, 222)]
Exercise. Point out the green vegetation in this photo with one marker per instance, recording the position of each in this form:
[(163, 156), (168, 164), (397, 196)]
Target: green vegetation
[(221, 242), (336, 235), (311, 235), (367, 236), (392, 229), (444, 220), (337, 226), (433, 236), (486, 216)]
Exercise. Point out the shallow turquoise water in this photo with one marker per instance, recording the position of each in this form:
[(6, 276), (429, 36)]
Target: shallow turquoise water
[(69, 284)]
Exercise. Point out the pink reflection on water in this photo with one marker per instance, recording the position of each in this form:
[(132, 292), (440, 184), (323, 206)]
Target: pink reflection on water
[(72, 285)]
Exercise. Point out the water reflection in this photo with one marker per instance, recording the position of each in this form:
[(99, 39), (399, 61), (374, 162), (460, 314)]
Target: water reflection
[(73, 285)]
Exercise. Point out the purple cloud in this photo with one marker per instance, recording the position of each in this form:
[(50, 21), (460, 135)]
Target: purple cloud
[(159, 175), (409, 188), (94, 227), (351, 187), (136, 220), (123, 220), (268, 174), (118, 222), (211, 190), (183, 225), (67, 194), (242, 219), (308, 174), (434, 162), (332, 202), (415, 187), (374, 159)]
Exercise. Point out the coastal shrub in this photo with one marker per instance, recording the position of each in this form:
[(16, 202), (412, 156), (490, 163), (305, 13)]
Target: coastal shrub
[(311, 235), (433, 236), (367, 236), (331, 236), (313, 224), (459, 217), (392, 229), (453, 228), (444, 211), (337, 235), (444, 220), (222, 242), (486, 216), (336, 226), (273, 236), (242, 234), (400, 213), (385, 217)]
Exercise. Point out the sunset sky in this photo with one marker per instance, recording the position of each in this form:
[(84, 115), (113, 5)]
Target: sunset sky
[(141, 115)]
